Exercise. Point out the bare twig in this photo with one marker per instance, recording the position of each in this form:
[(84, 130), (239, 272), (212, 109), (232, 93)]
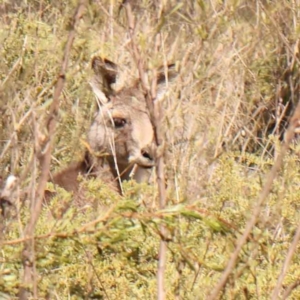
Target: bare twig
[(85, 228), (294, 123), (16, 64), (45, 159), (130, 215), (160, 173), (290, 288), (14, 134), (156, 116), (286, 264)]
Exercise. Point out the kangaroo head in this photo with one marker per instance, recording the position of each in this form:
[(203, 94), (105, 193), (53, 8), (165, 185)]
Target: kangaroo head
[(122, 128), (121, 133)]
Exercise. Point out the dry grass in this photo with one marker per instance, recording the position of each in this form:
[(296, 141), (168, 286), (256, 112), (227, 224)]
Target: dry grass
[(238, 84)]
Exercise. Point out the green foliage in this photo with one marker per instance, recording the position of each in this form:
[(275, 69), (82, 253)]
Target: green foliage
[(236, 60)]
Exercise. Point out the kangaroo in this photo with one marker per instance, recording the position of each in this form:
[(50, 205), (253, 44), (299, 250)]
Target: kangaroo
[(121, 137)]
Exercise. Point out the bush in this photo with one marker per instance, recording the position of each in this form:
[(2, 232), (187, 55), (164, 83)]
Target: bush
[(224, 120)]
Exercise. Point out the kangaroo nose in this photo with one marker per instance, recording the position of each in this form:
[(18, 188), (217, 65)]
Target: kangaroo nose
[(143, 157), (147, 155)]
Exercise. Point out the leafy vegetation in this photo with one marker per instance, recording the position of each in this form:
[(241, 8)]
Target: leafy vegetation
[(224, 120)]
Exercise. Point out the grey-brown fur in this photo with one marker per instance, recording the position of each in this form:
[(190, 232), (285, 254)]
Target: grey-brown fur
[(121, 135)]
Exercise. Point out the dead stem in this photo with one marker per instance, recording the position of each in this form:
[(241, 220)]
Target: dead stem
[(156, 116), (261, 199), (44, 156)]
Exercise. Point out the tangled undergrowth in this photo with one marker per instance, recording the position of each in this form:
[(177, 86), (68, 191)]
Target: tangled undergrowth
[(224, 122)]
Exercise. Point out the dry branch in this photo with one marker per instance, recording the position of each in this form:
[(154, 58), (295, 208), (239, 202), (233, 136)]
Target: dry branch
[(156, 117), (285, 266), (45, 159), (289, 135)]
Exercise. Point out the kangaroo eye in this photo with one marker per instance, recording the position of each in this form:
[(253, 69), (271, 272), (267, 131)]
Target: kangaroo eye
[(119, 122)]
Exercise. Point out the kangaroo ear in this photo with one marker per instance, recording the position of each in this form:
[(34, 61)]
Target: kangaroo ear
[(163, 79), (106, 74)]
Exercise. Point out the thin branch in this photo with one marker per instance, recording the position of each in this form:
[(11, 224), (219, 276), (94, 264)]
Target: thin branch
[(45, 158), (130, 215), (286, 264), (290, 288), (52, 120), (294, 123), (156, 116)]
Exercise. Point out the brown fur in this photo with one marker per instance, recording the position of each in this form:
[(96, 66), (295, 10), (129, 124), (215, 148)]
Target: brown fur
[(68, 178), (121, 129)]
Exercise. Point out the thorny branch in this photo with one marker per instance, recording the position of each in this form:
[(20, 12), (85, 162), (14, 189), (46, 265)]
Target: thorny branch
[(44, 155)]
